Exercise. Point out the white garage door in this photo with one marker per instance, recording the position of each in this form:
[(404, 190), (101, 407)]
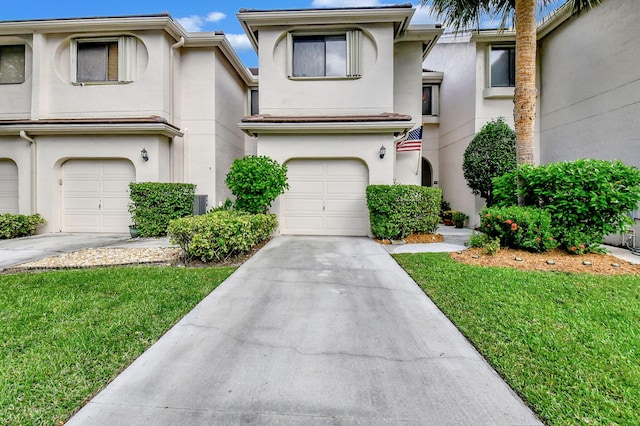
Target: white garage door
[(8, 187), (326, 197), (95, 195)]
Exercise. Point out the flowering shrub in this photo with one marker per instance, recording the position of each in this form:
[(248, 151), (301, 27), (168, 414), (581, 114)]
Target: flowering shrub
[(517, 227), (587, 199), (576, 242)]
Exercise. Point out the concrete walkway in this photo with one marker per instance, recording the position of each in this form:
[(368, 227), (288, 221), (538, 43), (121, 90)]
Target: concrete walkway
[(311, 331), (27, 249)]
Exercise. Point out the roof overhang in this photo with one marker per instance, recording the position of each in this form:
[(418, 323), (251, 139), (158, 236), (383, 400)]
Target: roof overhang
[(427, 34), (125, 126), (253, 20), (357, 124)]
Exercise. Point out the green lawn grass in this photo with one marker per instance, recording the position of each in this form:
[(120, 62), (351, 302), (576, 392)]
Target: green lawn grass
[(65, 334), (569, 344)]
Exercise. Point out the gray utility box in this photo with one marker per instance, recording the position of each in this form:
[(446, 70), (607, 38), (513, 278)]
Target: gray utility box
[(200, 204)]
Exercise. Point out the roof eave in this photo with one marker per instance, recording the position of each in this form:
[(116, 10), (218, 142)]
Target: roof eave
[(396, 127), (251, 21), (162, 129)]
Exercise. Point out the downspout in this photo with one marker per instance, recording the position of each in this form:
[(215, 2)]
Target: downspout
[(172, 97), (34, 165), (178, 45)]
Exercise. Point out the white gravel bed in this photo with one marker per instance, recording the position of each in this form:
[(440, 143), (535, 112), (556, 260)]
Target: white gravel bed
[(105, 257)]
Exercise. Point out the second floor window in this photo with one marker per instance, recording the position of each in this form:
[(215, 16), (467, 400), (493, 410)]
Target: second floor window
[(503, 66), (12, 64), (254, 102), (104, 60), (430, 99), (97, 61), (335, 55)]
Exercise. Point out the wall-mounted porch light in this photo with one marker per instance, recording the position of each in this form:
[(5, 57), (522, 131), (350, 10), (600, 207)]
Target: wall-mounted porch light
[(144, 154), (383, 151)]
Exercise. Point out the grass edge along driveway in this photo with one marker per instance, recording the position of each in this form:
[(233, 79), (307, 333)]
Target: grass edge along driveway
[(569, 344), (66, 334)]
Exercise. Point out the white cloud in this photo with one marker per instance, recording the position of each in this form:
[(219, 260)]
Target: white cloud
[(345, 3), (195, 23), (192, 23), (215, 17), (239, 41)]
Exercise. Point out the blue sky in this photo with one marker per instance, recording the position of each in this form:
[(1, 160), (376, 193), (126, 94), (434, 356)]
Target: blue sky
[(194, 15)]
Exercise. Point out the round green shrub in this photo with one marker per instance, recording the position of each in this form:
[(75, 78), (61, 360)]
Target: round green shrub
[(256, 181), (491, 153)]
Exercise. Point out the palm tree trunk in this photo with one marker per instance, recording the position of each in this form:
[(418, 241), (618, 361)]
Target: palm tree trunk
[(525, 91)]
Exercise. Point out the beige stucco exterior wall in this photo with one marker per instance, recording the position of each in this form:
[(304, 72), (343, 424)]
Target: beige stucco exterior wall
[(590, 86), (407, 99), (231, 97)]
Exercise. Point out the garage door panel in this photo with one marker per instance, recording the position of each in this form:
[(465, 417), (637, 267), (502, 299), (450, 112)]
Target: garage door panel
[(344, 168), (77, 204), (346, 208), (81, 187), (8, 187), (115, 204), (306, 187), (326, 197), (350, 189), (117, 187), (303, 168), (96, 195)]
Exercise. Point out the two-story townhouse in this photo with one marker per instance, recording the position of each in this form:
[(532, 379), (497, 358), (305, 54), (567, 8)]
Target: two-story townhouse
[(338, 89), (88, 105)]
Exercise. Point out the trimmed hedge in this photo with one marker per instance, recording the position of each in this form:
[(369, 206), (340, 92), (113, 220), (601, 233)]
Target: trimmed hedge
[(19, 225), (396, 211), (154, 204), (220, 234), (525, 228)]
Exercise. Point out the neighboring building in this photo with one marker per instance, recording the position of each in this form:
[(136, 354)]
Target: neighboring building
[(89, 105), (588, 91), (337, 87)]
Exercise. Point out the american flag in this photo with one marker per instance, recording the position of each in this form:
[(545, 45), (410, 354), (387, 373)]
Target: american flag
[(413, 141)]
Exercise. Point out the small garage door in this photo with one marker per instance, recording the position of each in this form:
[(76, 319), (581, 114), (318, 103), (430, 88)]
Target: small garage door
[(95, 195), (326, 197), (8, 187)]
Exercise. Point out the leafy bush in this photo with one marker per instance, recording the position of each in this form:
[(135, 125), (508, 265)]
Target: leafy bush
[(587, 199), (526, 228), (256, 182), (396, 211), (19, 225), (480, 239), (221, 234), (477, 239), (154, 204), (491, 153)]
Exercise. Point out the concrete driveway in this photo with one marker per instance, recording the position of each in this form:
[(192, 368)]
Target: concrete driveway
[(21, 250), (311, 330)]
